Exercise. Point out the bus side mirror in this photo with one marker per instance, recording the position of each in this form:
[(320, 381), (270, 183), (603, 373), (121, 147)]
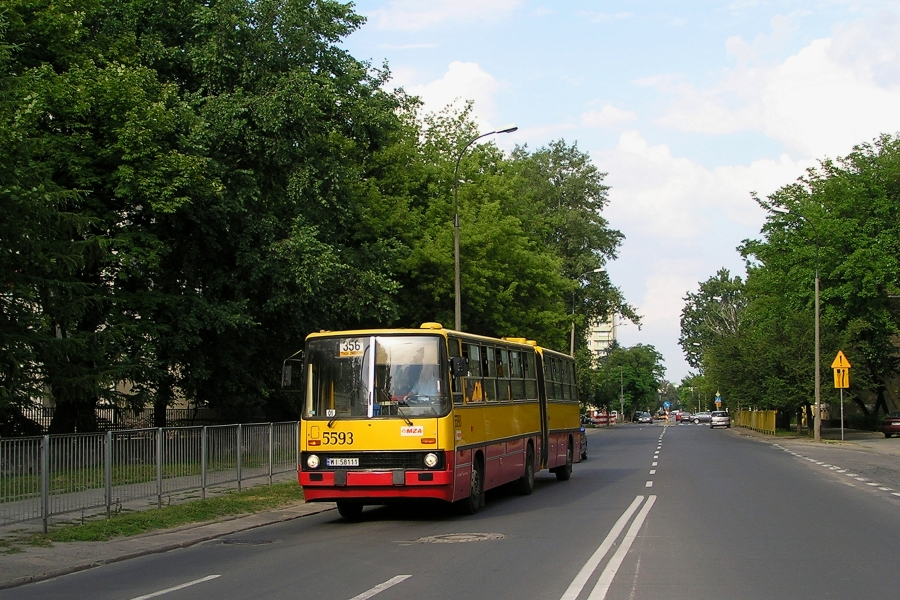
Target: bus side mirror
[(287, 370), (459, 366)]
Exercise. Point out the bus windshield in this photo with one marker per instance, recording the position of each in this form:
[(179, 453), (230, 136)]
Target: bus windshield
[(374, 377)]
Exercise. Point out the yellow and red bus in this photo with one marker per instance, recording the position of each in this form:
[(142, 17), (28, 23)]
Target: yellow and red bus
[(391, 414)]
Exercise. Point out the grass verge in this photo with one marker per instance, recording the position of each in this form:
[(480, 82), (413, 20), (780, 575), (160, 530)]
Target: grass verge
[(134, 523)]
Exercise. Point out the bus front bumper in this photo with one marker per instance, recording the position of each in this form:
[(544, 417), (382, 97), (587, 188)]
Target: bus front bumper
[(398, 483)]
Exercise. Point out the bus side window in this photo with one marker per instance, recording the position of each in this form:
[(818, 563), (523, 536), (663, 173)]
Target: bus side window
[(457, 390), (474, 387), (503, 387), (516, 375), (528, 365), (489, 367), (552, 378)]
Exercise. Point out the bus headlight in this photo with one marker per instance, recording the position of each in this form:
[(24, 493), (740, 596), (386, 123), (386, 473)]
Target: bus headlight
[(312, 461), (431, 460)]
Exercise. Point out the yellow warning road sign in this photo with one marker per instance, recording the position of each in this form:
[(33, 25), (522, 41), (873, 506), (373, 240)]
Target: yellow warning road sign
[(841, 368), (841, 378), (840, 361)]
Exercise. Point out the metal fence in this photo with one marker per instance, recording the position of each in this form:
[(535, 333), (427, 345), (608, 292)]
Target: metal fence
[(42, 477), (114, 418), (757, 420)]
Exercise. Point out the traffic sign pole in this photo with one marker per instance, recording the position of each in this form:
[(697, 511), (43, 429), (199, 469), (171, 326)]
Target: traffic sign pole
[(841, 368)]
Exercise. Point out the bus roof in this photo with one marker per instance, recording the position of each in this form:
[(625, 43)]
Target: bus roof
[(430, 328)]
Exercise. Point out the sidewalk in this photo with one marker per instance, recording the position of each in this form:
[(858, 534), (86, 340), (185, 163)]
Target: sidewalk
[(865, 441), (36, 564)]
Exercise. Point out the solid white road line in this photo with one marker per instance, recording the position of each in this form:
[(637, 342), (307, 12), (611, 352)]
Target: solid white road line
[(381, 587), (584, 574), (176, 588), (606, 578)]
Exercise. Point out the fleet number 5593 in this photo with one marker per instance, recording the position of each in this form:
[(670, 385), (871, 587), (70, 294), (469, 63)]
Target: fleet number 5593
[(337, 438)]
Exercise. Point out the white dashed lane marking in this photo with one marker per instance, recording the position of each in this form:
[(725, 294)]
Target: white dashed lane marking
[(837, 469)]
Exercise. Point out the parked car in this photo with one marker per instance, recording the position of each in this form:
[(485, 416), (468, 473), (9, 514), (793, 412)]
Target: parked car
[(719, 418), (891, 424), (684, 417), (642, 417), (701, 417)]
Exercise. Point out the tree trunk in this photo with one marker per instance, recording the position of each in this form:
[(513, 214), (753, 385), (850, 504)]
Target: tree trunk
[(164, 397)]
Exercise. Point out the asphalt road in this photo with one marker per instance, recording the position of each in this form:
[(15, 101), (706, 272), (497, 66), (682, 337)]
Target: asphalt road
[(656, 512)]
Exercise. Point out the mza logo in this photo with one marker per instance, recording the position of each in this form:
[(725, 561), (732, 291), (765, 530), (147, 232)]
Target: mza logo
[(413, 430)]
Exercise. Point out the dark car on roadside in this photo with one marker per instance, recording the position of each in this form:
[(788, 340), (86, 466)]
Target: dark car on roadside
[(891, 424), (701, 417), (642, 417)]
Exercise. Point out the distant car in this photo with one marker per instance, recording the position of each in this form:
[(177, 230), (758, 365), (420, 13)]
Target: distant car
[(583, 443), (684, 417), (891, 424), (719, 418), (642, 417), (585, 420), (701, 417)]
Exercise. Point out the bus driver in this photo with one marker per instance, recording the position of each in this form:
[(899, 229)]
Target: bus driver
[(427, 385)]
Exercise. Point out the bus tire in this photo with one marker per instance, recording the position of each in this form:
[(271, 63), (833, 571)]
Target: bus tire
[(564, 472), (470, 505), (526, 482), (351, 511)]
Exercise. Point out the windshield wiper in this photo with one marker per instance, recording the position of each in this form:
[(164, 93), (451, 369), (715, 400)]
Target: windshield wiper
[(402, 414), (332, 420)]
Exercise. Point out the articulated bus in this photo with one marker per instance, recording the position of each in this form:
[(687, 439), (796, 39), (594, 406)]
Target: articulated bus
[(392, 414)]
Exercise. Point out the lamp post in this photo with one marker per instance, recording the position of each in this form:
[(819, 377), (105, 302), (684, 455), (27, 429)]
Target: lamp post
[(456, 278), (621, 395), (572, 338), (817, 419)]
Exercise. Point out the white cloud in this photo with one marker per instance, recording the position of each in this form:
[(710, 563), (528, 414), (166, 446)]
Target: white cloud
[(670, 197), (416, 14), (682, 222), (462, 81), (832, 94), (608, 116)]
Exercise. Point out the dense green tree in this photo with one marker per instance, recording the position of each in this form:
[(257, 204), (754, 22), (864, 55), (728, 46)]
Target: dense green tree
[(189, 188), (219, 155), (841, 221), (636, 372)]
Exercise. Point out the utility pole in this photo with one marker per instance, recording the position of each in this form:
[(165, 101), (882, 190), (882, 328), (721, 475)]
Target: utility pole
[(621, 395)]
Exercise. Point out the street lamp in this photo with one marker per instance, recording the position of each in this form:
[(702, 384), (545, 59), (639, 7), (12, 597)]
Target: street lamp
[(572, 339), (456, 279), (817, 421)]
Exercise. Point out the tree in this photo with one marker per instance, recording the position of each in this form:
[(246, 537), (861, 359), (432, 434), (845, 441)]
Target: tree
[(217, 160), (849, 227)]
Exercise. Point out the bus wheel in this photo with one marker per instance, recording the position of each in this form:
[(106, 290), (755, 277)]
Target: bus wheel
[(526, 482), (350, 510), (470, 505), (563, 473)]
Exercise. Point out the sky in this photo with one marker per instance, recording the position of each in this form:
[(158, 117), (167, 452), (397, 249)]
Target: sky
[(688, 107)]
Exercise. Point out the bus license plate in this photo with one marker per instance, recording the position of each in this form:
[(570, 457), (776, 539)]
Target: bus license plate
[(342, 462)]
